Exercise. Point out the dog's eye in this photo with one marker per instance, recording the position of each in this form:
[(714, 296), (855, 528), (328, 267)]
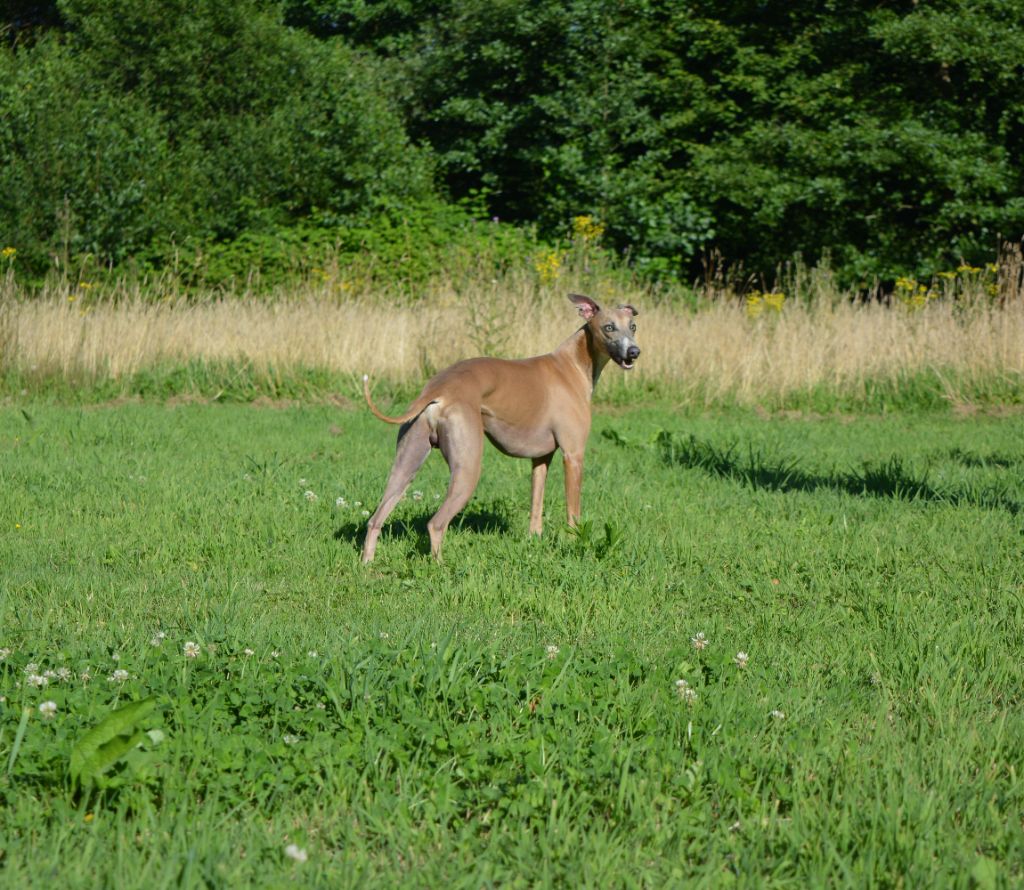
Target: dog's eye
[(632, 327), (610, 328)]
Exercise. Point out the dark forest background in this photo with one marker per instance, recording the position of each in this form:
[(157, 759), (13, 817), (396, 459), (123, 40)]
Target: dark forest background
[(887, 136)]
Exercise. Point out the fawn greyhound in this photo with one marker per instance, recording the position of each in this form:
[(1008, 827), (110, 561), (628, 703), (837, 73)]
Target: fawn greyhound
[(527, 408)]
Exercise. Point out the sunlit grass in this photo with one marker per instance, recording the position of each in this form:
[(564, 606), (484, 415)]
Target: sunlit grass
[(778, 653)]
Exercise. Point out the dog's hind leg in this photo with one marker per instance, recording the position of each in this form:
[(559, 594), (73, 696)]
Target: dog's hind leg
[(460, 436), (413, 447)]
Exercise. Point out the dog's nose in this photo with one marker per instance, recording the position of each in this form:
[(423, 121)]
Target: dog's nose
[(633, 353)]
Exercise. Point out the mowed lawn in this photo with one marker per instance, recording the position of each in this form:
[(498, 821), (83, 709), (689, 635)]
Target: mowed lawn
[(514, 716)]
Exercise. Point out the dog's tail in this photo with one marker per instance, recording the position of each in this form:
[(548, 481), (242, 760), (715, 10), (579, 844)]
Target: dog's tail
[(413, 411)]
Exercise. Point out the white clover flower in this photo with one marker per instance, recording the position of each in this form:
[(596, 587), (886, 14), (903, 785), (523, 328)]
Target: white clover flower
[(119, 676), (275, 653), (290, 739), (778, 715), (48, 709), (310, 496), (366, 514), (552, 652), (37, 680), (741, 659), (158, 638), (64, 673), (417, 495), (116, 656), (384, 635), (4, 653), (248, 653), (686, 692), (191, 649), (700, 642), (303, 483), (294, 851), (313, 653), (357, 504), (321, 706), (50, 675), (341, 502), (31, 668), (85, 676)]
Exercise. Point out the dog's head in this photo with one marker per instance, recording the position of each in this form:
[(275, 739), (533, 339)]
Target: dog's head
[(614, 330)]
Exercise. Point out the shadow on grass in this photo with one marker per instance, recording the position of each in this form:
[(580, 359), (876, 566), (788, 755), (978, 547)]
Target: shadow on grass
[(983, 461), (483, 519), (884, 479)]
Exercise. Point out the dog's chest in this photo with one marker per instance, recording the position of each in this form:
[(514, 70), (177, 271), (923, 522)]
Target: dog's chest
[(519, 440)]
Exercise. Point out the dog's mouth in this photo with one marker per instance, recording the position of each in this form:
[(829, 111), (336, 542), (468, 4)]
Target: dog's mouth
[(624, 363)]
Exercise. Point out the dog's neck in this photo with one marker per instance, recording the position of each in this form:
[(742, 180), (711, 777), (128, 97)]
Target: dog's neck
[(584, 353)]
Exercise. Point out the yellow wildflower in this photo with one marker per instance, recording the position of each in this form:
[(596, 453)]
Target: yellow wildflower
[(548, 266), (774, 300), (9, 253), (914, 295), (755, 304), (587, 229)]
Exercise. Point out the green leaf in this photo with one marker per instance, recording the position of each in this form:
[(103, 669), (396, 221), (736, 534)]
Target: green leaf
[(107, 742), (19, 737), (985, 873)]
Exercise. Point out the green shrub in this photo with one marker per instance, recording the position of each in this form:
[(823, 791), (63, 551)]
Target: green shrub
[(151, 123)]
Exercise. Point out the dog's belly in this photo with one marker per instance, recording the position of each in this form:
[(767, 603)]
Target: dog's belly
[(518, 441)]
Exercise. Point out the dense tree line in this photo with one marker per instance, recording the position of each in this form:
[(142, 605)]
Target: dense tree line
[(889, 134)]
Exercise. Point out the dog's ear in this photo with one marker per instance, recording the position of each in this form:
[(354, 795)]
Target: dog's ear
[(629, 309), (588, 308)]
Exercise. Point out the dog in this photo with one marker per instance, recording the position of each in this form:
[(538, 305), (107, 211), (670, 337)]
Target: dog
[(528, 408)]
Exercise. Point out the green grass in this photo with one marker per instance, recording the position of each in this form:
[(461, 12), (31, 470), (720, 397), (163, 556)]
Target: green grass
[(242, 382), (870, 566)]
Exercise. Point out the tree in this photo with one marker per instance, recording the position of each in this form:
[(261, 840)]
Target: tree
[(154, 122)]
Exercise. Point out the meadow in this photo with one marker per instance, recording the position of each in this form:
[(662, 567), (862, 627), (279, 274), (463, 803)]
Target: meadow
[(802, 342), (783, 650)]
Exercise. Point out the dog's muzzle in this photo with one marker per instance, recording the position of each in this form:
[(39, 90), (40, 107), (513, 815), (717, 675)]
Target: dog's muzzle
[(627, 357)]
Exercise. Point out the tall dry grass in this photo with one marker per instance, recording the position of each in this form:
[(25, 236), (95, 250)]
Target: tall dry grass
[(712, 352)]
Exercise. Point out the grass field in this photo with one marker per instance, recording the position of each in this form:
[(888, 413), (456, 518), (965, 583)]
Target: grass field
[(514, 716)]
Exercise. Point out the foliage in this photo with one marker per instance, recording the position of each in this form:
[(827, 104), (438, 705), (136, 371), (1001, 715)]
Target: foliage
[(882, 135), (885, 135), (150, 124), (98, 749), (406, 246)]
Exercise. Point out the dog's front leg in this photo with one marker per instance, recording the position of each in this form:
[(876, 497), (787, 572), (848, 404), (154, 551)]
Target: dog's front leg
[(540, 477), (573, 464)]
